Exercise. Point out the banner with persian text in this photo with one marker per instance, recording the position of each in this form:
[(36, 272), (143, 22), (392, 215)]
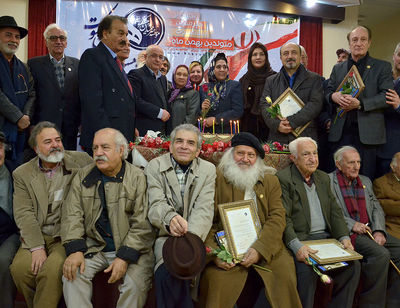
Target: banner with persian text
[(185, 33)]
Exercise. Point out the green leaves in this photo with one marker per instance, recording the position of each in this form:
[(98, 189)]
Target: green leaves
[(274, 111)]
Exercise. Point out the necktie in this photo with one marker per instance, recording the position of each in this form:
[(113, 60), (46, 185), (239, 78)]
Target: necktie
[(123, 73), (59, 70)]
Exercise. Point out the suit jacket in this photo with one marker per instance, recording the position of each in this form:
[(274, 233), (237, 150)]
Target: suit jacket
[(31, 198), (105, 96), (377, 78), (387, 190), (375, 213), (295, 201), (150, 99), (165, 198), (60, 106), (308, 87)]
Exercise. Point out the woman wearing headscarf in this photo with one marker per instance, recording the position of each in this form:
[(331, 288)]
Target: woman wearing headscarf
[(258, 69), (196, 73), (222, 98), (183, 99)]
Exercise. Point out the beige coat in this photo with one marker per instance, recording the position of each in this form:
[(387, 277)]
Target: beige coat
[(165, 197), (387, 191), (127, 210), (221, 289), (31, 198)]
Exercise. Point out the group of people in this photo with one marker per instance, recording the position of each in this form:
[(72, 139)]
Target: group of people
[(66, 215)]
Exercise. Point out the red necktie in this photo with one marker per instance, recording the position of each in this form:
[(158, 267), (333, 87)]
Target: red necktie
[(123, 73)]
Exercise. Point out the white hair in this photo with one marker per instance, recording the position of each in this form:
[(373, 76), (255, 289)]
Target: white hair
[(51, 27), (242, 178), (338, 155), (293, 145), (397, 48), (119, 140), (394, 159)]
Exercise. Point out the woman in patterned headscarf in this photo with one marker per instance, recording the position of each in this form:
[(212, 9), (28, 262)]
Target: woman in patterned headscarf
[(258, 69), (221, 97), (183, 99)]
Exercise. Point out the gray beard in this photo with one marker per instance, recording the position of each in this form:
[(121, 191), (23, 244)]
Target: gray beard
[(243, 179), (52, 158)]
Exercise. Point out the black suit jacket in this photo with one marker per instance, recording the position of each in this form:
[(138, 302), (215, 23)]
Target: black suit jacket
[(150, 99), (106, 99), (53, 104)]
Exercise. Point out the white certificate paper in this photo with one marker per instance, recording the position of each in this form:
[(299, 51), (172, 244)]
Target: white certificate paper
[(327, 251), (242, 228), (289, 106)]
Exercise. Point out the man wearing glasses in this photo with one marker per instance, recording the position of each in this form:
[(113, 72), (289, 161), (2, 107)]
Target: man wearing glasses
[(56, 85), (17, 94)]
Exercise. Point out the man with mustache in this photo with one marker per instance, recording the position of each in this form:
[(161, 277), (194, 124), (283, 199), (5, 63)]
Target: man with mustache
[(107, 98), (242, 175), (105, 227), (308, 87), (17, 94), (40, 187), (311, 214)]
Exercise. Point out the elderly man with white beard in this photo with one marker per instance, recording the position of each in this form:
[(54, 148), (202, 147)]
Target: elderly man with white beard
[(242, 175), (40, 187)]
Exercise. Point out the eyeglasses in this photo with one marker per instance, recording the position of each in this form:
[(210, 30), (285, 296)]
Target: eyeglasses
[(54, 38)]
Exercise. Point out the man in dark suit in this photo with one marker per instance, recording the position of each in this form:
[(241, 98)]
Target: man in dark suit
[(150, 86), (107, 99), (56, 84), (311, 214), (362, 123)]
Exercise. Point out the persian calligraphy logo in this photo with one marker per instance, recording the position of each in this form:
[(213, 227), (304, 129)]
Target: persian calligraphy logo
[(146, 27)]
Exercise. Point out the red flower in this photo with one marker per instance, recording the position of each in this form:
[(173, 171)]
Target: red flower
[(205, 88), (278, 146), (208, 249), (266, 148), (351, 74)]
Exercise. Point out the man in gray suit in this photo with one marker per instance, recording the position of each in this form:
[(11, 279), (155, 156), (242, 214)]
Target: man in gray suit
[(56, 85), (362, 122), (363, 214)]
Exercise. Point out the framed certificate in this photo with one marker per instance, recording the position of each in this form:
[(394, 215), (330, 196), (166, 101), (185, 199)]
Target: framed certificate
[(331, 251), (241, 224), (352, 83), (289, 104)]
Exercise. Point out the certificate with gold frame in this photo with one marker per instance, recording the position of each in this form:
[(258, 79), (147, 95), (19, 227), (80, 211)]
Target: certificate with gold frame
[(289, 104), (241, 224), (352, 83), (331, 251)]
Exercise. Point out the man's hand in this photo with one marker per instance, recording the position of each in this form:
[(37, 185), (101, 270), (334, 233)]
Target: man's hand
[(206, 104), (328, 125), (209, 121), (38, 258), (345, 101), (178, 226), (284, 126), (165, 115), (302, 253), (252, 256), (71, 264), (221, 264), (379, 238), (347, 244), (23, 122), (360, 228), (117, 268), (392, 98)]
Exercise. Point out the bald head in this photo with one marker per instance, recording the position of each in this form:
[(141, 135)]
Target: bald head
[(154, 58)]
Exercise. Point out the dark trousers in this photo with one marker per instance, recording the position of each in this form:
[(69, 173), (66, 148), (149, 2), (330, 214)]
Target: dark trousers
[(253, 293), (368, 153), (379, 277), (171, 292)]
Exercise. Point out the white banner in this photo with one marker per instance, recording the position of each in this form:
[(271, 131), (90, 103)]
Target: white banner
[(185, 33)]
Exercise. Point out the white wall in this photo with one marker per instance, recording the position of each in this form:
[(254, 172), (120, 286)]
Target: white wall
[(19, 10), (334, 36)]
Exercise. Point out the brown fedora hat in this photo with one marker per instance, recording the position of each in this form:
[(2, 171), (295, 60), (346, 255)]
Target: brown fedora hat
[(9, 22), (185, 256)]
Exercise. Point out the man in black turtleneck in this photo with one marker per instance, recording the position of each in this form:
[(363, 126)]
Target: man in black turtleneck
[(362, 124)]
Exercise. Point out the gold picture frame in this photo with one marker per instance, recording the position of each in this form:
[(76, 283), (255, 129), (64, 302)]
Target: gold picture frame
[(331, 251), (353, 78), (289, 104), (241, 225)]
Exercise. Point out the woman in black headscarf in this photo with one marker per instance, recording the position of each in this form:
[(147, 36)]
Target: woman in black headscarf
[(222, 98), (258, 69)]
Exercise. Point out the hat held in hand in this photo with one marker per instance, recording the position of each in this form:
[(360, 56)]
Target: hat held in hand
[(184, 256)]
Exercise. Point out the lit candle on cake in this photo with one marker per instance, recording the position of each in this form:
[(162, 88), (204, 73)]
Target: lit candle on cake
[(213, 127), (222, 126), (198, 123), (234, 127), (238, 126), (230, 123)]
